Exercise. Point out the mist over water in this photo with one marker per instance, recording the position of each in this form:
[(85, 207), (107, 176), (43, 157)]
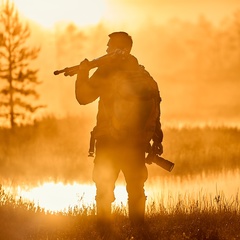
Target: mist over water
[(48, 163), (164, 192), (196, 65)]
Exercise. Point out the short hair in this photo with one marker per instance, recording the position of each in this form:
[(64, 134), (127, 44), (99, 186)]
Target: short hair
[(121, 40)]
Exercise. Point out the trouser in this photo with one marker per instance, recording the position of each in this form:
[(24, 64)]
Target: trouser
[(111, 158)]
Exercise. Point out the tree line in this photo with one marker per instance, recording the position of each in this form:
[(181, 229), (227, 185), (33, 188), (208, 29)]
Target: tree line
[(191, 51), (18, 81)]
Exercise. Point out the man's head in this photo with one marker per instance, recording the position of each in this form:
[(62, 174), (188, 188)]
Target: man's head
[(119, 40)]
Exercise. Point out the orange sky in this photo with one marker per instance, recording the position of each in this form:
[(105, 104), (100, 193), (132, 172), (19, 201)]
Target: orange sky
[(122, 15), (121, 12)]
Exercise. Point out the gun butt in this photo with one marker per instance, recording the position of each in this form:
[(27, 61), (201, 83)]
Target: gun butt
[(163, 163)]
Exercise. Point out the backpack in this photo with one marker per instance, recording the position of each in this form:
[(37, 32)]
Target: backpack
[(136, 106)]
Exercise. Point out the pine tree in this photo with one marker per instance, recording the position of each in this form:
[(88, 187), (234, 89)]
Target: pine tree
[(17, 80)]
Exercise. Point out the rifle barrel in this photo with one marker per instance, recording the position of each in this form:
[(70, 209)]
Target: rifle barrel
[(67, 69), (70, 71)]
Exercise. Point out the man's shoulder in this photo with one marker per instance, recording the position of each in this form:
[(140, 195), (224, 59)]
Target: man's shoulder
[(131, 61)]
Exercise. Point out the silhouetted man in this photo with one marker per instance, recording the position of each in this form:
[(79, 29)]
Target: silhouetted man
[(114, 153)]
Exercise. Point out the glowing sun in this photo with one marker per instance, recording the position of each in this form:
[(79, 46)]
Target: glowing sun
[(48, 13)]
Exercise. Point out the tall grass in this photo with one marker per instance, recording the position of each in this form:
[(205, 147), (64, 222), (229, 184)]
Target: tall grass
[(207, 218), (52, 148), (57, 150), (203, 149)]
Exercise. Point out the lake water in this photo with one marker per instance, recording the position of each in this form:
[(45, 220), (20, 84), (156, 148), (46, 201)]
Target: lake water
[(167, 191)]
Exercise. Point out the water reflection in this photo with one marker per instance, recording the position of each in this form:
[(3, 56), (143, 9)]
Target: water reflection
[(59, 196), (167, 191)]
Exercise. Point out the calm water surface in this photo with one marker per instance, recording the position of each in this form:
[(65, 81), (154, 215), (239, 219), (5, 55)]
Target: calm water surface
[(167, 191)]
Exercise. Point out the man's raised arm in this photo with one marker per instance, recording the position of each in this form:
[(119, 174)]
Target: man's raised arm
[(85, 93)]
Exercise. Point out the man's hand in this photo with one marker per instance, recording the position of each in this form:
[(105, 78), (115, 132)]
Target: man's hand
[(158, 148), (83, 71), (84, 65)]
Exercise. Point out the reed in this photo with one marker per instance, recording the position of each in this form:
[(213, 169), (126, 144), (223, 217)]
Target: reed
[(57, 149), (208, 217)]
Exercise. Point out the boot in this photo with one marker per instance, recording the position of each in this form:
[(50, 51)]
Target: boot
[(104, 223), (136, 211), (103, 210)]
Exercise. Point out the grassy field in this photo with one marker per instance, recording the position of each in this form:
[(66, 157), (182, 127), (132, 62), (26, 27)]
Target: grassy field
[(217, 220), (57, 149)]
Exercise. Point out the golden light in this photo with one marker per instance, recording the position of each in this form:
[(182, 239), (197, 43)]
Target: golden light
[(48, 13), (57, 197)]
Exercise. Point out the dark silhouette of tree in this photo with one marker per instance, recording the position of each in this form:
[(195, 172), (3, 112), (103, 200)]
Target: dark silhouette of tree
[(17, 80)]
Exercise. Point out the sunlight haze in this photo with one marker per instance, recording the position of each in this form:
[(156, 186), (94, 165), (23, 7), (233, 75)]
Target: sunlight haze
[(48, 13), (191, 48), (170, 40), (121, 13)]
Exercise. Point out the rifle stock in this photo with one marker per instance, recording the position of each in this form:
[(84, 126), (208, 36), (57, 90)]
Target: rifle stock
[(163, 163), (160, 161)]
